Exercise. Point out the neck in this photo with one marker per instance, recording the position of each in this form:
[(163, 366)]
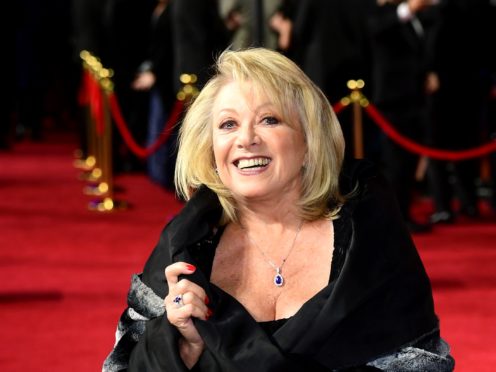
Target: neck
[(272, 233), (269, 244), (272, 223), (271, 208), (274, 213)]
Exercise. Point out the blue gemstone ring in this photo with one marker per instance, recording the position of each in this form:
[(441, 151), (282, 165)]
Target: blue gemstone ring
[(178, 301)]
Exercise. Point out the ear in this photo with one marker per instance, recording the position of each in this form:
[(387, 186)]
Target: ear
[(305, 160)]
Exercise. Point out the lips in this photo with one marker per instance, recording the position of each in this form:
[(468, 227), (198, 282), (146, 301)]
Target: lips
[(251, 163)]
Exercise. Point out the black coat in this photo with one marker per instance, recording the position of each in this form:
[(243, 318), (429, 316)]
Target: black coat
[(378, 300)]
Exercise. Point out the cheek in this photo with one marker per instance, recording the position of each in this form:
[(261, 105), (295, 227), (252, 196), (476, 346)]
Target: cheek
[(220, 150), (297, 149)]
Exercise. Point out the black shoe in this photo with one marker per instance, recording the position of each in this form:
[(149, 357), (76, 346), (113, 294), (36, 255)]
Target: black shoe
[(442, 217), (418, 228)]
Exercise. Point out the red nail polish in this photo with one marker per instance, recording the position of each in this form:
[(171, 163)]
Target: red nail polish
[(207, 300), (209, 314), (191, 267)]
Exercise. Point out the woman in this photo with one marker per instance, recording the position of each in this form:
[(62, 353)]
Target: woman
[(269, 267)]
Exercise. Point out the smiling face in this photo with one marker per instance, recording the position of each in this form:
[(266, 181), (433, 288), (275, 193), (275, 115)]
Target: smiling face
[(257, 154)]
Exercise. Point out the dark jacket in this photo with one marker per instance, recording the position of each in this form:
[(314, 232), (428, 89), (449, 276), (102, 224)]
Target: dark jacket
[(199, 36), (376, 313), (400, 57)]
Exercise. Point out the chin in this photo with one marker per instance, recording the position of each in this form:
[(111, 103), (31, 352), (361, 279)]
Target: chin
[(249, 193)]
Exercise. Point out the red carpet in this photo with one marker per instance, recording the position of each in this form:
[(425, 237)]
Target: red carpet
[(65, 270)]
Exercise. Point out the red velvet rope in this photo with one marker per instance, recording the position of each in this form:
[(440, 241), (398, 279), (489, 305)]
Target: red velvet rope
[(91, 94), (176, 112), (127, 136), (83, 95), (338, 107), (411, 146)]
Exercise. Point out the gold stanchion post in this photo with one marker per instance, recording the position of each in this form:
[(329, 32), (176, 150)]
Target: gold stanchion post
[(189, 89), (356, 97), (99, 161), (88, 163), (105, 187), (94, 175)]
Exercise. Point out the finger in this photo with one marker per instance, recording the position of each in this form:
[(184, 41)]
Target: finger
[(190, 298), (187, 292), (173, 271), (184, 285), (188, 330), (180, 317)]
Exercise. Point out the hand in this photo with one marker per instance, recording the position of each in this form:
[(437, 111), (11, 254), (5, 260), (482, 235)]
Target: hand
[(418, 5), (144, 81), (283, 27), (184, 301), (432, 83), (234, 20)]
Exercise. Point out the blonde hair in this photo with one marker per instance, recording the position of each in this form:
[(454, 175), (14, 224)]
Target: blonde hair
[(299, 101)]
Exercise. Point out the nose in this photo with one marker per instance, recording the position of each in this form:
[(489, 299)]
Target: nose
[(247, 136)]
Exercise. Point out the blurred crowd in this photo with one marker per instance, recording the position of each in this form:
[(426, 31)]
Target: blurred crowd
[(429, 67)]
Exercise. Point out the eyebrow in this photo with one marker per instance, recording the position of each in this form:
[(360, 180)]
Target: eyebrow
[(257, 109)]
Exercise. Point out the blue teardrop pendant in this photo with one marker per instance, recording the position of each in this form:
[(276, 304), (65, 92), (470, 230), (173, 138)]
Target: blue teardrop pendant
[(278, 279)]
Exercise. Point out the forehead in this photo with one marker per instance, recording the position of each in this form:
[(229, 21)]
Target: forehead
[(232, 91), (238, 95), (243, 98)]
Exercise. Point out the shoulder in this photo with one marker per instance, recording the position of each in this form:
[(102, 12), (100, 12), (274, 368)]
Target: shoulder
[(358, 168), (357, 175), (374, 211)]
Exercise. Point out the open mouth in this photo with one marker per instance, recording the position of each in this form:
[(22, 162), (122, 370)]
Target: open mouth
[(252, 163)]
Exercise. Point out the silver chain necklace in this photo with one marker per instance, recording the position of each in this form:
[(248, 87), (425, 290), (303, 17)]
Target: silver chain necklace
[(278, 278)]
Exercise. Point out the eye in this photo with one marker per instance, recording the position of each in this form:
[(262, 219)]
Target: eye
[(228, 124), (270, 120)]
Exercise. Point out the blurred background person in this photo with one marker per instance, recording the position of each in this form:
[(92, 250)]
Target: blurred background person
[(400, 35), (155, 76), (198, 36), (249, 22), (458, 105), (328, 40), (126, 35)]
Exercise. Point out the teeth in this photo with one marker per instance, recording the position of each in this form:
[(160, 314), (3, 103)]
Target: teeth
[(250, 163)]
